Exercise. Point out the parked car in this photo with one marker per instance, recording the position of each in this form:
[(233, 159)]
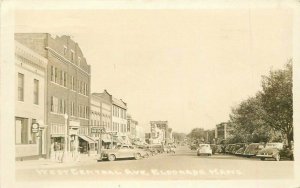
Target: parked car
[(287, 153), (204, 149), (219, 149), (146, 149), (241, 149), (171, 149), (232, 149), (193, 147), (213, 148), (158, 148), (228, 148), (123, 151), (272, 150), (252, 149)]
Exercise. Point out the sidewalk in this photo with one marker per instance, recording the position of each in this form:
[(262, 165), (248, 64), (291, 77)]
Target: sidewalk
[(48, 163)]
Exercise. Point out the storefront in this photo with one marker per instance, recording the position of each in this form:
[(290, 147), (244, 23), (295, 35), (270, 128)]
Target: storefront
[(87, 144)]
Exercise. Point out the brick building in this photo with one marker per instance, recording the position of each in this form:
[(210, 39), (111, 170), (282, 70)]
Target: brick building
[(30, 72), (68, 89)]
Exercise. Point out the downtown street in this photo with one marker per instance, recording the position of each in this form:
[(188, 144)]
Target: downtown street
[(183, 165)]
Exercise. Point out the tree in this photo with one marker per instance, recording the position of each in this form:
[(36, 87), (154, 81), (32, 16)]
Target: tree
[(277, 100), (247, 122), (197, 134), (179, 137)]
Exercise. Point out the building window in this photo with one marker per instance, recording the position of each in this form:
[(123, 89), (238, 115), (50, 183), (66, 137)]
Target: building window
[(54, 104), (79, 61), (61, 77), (65, 50), (35, 91), (62, 106), (52, 78), (73, 84), (21, 131), (55, 75), (72, 109), (72, 55), (20, 87), (65, 79)]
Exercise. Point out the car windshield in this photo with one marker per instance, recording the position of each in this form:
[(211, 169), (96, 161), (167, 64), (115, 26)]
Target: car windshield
[(253, 146), (203, 146)]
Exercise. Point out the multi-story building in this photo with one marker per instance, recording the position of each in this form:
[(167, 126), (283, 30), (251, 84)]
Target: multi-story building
[(159, 132), (31, 82), (68, 89), (131, 128), (210, 136), (114, 113), (101, 108), (221, 132)]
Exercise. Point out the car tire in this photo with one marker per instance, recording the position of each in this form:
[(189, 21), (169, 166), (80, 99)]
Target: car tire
[(277, 157), (111, 157), (198, 154), (262, 159), (137, 156)]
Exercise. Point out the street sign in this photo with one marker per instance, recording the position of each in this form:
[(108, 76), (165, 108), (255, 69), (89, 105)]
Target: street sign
[(35, 127), (98, 130)]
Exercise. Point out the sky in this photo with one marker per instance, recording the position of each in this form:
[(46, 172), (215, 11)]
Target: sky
[(189, 67)]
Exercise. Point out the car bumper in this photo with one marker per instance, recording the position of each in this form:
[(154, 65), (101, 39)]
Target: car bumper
[(265, 156)]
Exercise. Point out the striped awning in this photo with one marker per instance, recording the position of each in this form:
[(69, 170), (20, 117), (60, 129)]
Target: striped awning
[(87, 139)]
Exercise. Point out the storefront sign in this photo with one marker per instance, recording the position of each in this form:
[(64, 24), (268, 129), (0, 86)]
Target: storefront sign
[(97, 130), (35, 127)]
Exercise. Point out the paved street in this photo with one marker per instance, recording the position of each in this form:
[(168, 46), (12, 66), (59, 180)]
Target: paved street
[(184, 165)]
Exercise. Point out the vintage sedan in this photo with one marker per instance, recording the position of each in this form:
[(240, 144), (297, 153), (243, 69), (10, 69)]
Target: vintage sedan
[(241, 149), (272, 150), (204, 149), (252, 149), (123, 151)]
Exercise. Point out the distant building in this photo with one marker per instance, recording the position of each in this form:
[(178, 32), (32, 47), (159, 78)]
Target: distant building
[(132, 127), (210, 136), (30, 87), (159, 132), (221, 132)]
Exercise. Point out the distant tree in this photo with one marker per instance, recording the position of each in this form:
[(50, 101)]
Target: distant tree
[(197, 134), (277, 100), (179, 137)]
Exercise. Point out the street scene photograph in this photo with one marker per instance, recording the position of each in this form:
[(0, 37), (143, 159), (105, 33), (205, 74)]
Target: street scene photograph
[(154, 94)]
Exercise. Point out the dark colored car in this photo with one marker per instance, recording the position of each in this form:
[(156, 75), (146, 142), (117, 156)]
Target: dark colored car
[(287, 153), (193, 147), (241, 149), (219, 149), (213, 148), (157, 148), (252, 149), (228, 148), (232, 149)]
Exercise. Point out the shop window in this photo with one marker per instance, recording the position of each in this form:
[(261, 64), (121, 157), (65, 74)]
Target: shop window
[(20, 87), (35, 91), (21, 131)]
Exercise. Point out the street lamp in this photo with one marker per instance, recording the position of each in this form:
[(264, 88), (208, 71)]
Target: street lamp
[(65, 157)]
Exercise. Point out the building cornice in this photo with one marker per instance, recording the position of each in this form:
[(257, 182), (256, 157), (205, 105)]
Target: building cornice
[(63, 59)]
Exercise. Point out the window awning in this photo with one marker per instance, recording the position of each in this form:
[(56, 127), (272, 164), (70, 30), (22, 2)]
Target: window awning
[(87, 139)]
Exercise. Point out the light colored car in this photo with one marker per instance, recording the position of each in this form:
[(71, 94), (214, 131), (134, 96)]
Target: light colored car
[(123, 151), (272, 150), (204, 149)]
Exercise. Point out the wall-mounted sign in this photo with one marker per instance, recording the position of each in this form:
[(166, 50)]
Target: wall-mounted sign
[(98, 130), (35, 127)]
